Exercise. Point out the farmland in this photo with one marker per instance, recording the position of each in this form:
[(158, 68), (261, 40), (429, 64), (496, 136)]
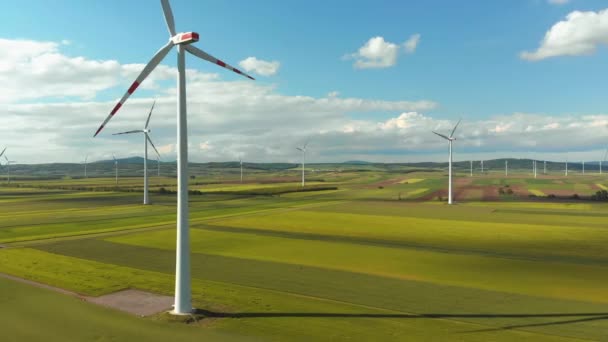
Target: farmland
[(371, 255)]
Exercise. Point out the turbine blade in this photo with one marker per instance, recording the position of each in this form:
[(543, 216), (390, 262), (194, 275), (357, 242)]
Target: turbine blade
[(150, 115), (158, 57), (151, 143), (454, 130), (297, 148), (168, 16), (114, 157), (605, 154), (2, 152), (441, 135), (129, 132), (202, 54)]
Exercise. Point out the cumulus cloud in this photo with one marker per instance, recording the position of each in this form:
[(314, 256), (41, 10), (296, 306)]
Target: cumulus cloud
[(579, 34), (378, 53), (411, 44), (260, 67), (242, 118)]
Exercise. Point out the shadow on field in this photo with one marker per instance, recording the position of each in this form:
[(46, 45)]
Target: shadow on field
[(588, 316), (594, 317)]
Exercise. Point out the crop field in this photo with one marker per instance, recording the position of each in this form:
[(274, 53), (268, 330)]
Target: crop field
[(370, 256)]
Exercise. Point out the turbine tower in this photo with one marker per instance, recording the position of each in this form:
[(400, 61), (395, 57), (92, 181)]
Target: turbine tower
[(471, 169), (583, 167), (603, 160), (241, 162), (545, 167), (146, 132), (482, 167), (506, 167), (158, 165), (303, 150), (183, 293), (8, 167), (115, 168), (450, 139), (85, 165)]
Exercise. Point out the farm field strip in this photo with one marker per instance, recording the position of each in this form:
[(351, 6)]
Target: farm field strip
[(525, 239), (296, 279), (270, 316)]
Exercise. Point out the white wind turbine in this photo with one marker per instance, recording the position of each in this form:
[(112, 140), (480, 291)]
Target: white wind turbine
[(85, 165), (303, 150), (146, 132), (241, 162), (115, 168), (158, 165), (603, 160), (8, 167), (450, 139), (183, 292), (506, 167)]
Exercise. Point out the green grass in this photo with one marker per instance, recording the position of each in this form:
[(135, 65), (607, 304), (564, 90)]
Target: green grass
[(34, 314), (347, 264)]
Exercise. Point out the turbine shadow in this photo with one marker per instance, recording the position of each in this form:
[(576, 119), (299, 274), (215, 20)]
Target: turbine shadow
[(586, 315)]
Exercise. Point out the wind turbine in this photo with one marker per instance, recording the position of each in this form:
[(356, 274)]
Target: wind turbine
[(545, 167), (471, 169), (450, 139), (241, 162), (147, 139), (603, 160), (85, 165), (482, 167), (583, 167), (506, 167), (115, 168), (8, 167), (183, 292), (303, 150)]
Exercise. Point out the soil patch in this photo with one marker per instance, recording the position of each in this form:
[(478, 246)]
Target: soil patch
[(135, 302)]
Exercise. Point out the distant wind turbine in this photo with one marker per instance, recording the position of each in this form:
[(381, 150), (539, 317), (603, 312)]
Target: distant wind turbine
[(303, 150), (85, 165), (241, 162), (115, 168), (506, 167), (147, 139), (545, 167), (482, 167), (471, 169), (450, 139), (603, 160), (583, 167), (8, 167)]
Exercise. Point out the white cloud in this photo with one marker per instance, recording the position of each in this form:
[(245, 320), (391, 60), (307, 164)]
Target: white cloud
[(260, 67), (333, 94), (230, 118), (579, 34), (378, 53), (411, 44), (558, 2)]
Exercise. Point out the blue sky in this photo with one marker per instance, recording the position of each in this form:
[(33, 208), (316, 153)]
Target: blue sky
[(467, 61)]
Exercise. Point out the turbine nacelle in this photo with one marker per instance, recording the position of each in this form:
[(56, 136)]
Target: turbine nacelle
[(185, 38)]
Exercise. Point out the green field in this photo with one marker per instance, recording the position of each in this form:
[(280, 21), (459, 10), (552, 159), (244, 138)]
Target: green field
[(376, 259)]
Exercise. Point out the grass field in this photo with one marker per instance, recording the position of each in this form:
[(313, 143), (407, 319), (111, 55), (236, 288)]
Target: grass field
[(354, 263)]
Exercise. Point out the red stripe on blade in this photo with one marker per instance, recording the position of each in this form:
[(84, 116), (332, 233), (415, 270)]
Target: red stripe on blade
[(98, 130), (116, 108), (133, 87), (220, 63), (237, 71)]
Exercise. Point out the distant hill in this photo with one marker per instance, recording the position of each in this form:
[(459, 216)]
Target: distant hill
[(357, 162)]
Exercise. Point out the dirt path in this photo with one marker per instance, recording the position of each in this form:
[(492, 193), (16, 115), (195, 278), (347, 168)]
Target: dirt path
[(132, 301)]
